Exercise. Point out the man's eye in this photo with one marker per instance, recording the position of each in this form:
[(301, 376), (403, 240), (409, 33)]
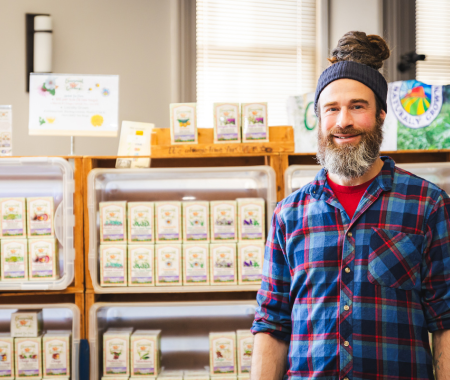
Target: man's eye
[(358, 107), (331, 109)]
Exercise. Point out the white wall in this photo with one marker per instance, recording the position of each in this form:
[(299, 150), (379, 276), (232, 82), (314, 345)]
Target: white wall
[(130, 38)]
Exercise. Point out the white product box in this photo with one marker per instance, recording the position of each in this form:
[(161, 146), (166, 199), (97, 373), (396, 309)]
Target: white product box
[(195, 264), (145, 353), (6, 356), (171, 375), (223, 221), (168, 265), (227, 123), (26, 323), (223, 264), (254, 122), (56, 354), (244, 345), (40, 217), (183, 123), (141, 223), (13, 217), (113, 265), (250, 262), (195, 222), (43, 262), (168, 222), (113, 222), (14, 260), (141, 378), (116, 348), (251, 216), (222, 347), (28, 357), (115, 378), (141, 265)]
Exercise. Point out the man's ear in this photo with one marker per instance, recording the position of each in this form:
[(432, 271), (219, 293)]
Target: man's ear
[(383, 114)]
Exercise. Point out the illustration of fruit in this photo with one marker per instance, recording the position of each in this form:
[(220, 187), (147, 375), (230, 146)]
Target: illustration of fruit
[(97, 120), (55, 356)]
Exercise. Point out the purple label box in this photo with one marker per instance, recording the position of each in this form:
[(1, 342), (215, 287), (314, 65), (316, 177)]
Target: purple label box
[(226, 369)]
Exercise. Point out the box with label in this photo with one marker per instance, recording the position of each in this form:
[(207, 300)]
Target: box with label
[(250, 262), (171, 375), (222, 356), (6, 356), (115, 378), (244, 345), (141, 265), (196, 264), (251, 216), (141, 223), (183, 123), (254, 122), (168, 266), (116, 348), (227, 123), (43, 262), (113, 265), (223, 221), (168, 223), (56, 354), (195, 222), (14, 260), (28, 358), (40, 216), (14, 218), (196, 375), (145, 353), (113, 222), (26, 323), (223, 264)]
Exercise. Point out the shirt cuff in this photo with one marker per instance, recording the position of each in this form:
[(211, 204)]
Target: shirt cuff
[(261, 327)]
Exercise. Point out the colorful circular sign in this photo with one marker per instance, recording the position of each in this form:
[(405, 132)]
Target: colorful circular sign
[(310, 117)]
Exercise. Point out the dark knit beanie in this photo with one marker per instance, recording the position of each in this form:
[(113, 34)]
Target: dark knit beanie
[(357, 71)]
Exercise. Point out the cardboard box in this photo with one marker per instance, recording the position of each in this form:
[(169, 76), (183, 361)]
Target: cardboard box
[(227, 123), (14, 218), (141, 265), (40, 217), (250, 262), (141, 223), (56, 354), (183, 123), (244, 345), (28, 358), (43, 262), (251, 216), (195, 264), (113, 265), (26, 323), (223, 264), (6, 356), (116, 348), (254, 123), (145, 353), (168, 266), (113, 222), (223, 221), (168, 223), (14, 260), (195, 222), (222, 346)]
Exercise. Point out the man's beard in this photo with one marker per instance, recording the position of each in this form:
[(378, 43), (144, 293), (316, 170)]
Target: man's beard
[(350, 160)]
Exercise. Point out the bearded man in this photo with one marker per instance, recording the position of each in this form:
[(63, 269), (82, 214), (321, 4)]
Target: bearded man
[(357, 262)]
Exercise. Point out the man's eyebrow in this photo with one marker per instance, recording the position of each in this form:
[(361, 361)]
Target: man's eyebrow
[(359, 101), (330, 104)]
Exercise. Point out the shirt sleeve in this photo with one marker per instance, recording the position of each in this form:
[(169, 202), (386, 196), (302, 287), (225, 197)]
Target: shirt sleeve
[(436, 267), (273, 314)]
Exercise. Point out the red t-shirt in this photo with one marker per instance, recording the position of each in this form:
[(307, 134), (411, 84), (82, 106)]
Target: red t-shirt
[(349, 196)]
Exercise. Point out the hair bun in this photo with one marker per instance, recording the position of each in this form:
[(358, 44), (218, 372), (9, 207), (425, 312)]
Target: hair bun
[(370, 50)]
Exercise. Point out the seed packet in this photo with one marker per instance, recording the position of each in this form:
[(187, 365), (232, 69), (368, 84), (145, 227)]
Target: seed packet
[(223, 221), (244, 343), (113, 265), (13, 217), (227, 122), (183, 123), (195, 222), (14, 260), (196, 264), (43, 262), (40, 217), (113, 222), (251, 216), (6, 356), (168, 265), (254, 122), (56, 354), (250, 262), (223, 264), (145, 353), (26, 323), (28, 357), (116, 348), (141, 260), (168, 222), (222, 346), (141, 222)]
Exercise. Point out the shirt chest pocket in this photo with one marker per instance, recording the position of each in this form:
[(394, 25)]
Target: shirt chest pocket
[(394, 259)]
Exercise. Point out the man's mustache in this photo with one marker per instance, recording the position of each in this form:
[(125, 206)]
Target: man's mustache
[(345, 131)]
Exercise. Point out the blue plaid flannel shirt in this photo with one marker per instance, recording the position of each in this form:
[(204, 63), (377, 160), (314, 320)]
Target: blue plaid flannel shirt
[(356, 297)]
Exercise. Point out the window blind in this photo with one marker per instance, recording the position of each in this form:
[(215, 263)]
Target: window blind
[(433, 40), (254, 51)]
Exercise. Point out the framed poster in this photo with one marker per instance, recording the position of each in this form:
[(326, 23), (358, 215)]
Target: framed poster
[(74, 105), (183, 123)]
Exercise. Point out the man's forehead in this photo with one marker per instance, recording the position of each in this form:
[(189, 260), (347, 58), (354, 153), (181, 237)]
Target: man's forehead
[(346, 90)]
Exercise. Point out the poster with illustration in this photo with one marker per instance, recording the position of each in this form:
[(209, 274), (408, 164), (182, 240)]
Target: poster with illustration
[(74, 105)]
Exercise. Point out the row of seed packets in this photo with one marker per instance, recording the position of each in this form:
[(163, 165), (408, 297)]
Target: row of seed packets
[(176, 264), (138, 355), (228, 119), (29, 353), (177, 222)]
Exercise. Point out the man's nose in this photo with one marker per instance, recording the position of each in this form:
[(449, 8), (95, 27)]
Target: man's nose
[(344, 118)]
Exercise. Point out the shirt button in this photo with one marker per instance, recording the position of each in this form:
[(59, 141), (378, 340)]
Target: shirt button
[(346, 307), (347, 270), (346, 343), (345, 378), (349, 234)]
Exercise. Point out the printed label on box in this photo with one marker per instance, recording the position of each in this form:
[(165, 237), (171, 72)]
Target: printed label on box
[(245, 351), (14, 263), (6, 357), (43, 259), (116, 356), (56, 356), (13, 217), (141, 259), (140, 222), (251, 219), (223, 263), (28, 357), (40, 217), (254, 122), (168, 221), (223, 354), (143, 358), (183, 121), (113, 265), (251, 259), (168, 264), (223, 221), (226, 118), (113, 222), (195, 258), (196, 221)]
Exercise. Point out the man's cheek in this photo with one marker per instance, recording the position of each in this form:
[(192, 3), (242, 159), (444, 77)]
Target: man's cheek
[(365, 121)]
